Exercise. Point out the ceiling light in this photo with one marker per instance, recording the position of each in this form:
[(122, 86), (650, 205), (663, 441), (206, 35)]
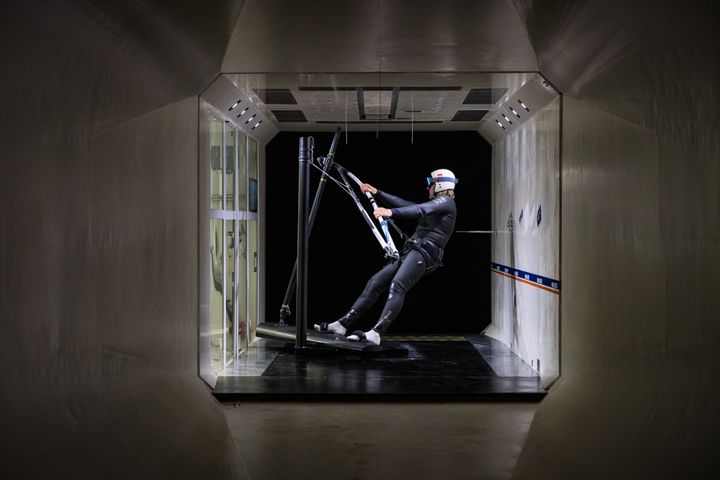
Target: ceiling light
[(257, 124), (248, 120), (243, 112), (523, 105), (515, 112), (235, 105), (500, 124), (506, 118)]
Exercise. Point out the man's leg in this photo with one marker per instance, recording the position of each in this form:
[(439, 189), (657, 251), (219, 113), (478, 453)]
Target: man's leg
[(377, 284), (411, 270)]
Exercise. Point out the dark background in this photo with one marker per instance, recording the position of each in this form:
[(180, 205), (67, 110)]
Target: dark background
[(343, 251)]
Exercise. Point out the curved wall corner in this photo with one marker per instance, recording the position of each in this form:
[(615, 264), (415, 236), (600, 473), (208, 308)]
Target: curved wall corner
[(640, 195), (98, 252)]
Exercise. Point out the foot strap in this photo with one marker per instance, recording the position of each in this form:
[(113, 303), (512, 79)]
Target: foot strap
[(357, 336)]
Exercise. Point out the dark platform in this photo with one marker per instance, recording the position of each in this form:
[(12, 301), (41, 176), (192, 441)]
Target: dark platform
[(432, 371), (330, 341)]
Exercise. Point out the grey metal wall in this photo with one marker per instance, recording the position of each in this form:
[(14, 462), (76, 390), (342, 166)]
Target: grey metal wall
[(98, 244), (641, 241)]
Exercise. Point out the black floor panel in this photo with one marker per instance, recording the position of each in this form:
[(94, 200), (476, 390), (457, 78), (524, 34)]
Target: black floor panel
[(432, 370), (426, 359)]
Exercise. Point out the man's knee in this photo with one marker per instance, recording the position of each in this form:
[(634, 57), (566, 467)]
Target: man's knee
[(396, 289), (374, 286)]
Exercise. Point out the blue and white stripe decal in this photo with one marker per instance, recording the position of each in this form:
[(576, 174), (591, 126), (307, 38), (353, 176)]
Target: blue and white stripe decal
[(545, 283)]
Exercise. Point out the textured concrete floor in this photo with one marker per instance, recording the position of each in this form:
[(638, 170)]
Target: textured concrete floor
[(378, 440)]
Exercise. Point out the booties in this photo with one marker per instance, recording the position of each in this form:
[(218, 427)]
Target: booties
[(339, 326), (370, 336)]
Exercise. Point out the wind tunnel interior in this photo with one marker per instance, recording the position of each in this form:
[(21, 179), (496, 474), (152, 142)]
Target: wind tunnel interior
[(498, 285), (101, 264)]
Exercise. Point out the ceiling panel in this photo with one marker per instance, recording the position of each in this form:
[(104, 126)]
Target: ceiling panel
[(379, 35), (398, 101)]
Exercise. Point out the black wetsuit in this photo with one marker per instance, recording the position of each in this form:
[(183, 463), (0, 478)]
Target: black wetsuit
[(422, 254)]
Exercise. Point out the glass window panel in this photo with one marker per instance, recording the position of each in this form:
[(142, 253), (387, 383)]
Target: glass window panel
[(229, 168), (242, 284), (230, 313), (252, 158), (215, 130), (252, 237), (216, 295), (242, 172), (252, 176), (233, 243), (253, 277)]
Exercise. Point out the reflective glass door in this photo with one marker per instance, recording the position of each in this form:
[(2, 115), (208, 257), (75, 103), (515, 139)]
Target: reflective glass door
[(217, 251), (230, 332), (252, 237), (242, 242), (232, 251)]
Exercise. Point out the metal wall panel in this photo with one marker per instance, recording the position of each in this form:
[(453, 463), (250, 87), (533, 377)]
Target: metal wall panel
[(641, 241), (379, 36), (98, 243)]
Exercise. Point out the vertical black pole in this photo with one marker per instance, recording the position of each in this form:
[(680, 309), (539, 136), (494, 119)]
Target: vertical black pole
[(302, 250), (285, 308)]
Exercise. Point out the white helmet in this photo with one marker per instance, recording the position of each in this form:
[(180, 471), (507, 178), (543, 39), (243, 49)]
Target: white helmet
[(443, 179)]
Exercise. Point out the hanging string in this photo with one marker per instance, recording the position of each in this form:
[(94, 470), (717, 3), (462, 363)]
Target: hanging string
[(379, 42), (379, 115), (412, 117)]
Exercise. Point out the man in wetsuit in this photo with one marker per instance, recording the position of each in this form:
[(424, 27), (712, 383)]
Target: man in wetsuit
[(421, 255)]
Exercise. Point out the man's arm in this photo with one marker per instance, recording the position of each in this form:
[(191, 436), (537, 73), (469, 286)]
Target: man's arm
[(386, 198), (437, 206), (391, 200)]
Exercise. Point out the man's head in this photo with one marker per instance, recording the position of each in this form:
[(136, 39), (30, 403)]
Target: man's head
[(442, 180)]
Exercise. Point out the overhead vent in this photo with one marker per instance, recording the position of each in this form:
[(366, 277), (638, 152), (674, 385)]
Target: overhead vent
[(385, 89), (469, 115), (276, 96), (484, 96), (326, 89), (374, 122), (289, 115), (431, 89)]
